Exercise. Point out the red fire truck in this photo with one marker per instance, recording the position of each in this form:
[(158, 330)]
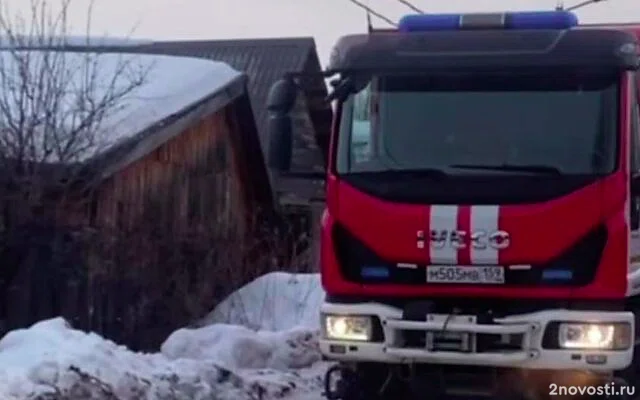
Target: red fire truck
[(483, 206)]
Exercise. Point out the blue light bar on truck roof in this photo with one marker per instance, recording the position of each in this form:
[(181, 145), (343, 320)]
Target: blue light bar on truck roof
[(508, 20)]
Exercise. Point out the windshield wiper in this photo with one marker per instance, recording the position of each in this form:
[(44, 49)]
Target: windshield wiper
[(538, 169), (402, 173)]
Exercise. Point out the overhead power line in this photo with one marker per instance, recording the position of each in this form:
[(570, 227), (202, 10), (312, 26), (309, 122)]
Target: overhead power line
[(583, 4), (373, 12), (411, 6)]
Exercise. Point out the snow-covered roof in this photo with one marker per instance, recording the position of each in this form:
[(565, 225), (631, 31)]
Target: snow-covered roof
[(169, 85), (69, 40)]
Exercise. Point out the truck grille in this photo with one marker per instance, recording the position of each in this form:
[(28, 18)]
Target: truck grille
[(471, 343), (459, 336), (582, 260)]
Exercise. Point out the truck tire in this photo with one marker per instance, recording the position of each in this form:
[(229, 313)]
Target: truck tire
[(368, 382)]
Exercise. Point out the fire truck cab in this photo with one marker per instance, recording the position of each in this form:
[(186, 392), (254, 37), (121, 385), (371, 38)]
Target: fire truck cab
[(481, 232)]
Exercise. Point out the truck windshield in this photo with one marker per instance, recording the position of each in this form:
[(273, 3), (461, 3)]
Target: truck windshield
[(472, 124)]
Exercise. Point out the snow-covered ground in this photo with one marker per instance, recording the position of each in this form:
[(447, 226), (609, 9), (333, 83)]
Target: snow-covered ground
[(221, 360)]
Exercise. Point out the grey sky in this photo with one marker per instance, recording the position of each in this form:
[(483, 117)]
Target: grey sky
[(326, 20)]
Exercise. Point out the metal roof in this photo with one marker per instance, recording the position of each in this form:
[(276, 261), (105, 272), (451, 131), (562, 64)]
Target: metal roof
[(264, 61)]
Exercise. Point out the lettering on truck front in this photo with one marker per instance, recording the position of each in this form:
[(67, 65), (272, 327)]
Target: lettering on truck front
[(459, 239)]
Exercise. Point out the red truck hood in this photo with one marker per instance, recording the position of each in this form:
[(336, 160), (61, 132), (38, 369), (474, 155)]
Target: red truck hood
[(536, 232)]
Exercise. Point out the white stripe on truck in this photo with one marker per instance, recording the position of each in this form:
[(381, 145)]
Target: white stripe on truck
[(485, 219), (443, 218)]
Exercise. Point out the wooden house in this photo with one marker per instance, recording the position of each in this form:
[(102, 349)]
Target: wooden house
[(264, 61), (183, 158)]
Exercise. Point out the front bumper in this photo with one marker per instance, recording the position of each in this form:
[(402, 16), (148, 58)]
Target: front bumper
[(528, 328)]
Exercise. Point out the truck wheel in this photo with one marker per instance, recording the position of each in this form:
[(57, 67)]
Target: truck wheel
[(393, 382), (365, 382)]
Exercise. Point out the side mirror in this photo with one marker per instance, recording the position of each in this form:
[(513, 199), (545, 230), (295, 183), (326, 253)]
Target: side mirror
[(280, 102)]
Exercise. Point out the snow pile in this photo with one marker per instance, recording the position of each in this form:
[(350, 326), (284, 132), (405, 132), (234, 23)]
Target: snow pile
[(219, 361), (276, 364), (273, 302), (237, 347), (51, 358)]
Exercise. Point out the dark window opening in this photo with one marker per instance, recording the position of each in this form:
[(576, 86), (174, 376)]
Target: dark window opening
[(93, 209), (120, 215)]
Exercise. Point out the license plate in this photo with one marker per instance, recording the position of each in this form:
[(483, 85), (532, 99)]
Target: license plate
[(465, 274)]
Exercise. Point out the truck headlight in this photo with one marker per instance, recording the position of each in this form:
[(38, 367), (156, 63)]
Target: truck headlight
[(594, 336), (347, 327)]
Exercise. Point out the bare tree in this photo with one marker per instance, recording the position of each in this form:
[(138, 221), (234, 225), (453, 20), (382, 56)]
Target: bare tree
[(61, 100), (55, 106)]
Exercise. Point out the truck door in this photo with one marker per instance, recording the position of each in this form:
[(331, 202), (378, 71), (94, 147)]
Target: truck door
[(634, 200)]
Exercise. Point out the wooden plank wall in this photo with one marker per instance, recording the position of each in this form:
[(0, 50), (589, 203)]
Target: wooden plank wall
[(191, 181), (165, 243), (175, 215)]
